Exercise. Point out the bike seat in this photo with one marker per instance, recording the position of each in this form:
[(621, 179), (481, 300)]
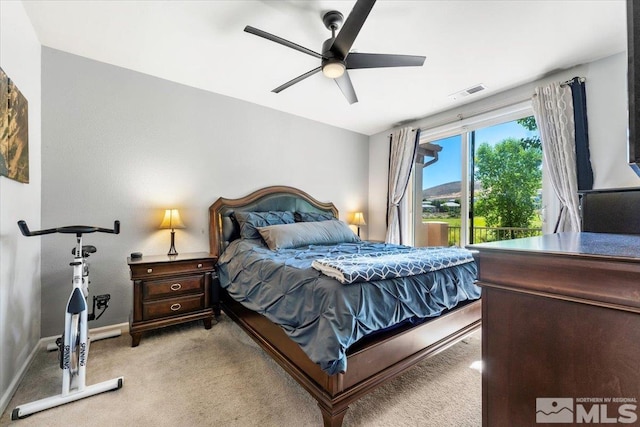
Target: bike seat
[(76, 229), (86, 250)]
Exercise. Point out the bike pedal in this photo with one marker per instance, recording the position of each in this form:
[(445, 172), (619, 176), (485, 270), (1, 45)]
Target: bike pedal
[(102, 301)]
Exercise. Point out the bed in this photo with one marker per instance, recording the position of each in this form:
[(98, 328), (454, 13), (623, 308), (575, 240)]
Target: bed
[(368, 362)]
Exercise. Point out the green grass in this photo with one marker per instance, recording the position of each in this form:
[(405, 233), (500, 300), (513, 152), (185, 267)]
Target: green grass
[(455, 222), (477, 221)]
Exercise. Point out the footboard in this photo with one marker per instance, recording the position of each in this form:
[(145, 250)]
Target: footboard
[(369, 366)]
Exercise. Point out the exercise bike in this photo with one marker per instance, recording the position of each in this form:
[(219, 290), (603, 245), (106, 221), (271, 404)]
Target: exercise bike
[(74, 344)]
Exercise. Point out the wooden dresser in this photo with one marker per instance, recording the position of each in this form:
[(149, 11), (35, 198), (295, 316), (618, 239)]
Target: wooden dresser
[(171, 289), (560, 319)]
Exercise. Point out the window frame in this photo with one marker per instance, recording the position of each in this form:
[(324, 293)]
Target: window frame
[(464, 127)]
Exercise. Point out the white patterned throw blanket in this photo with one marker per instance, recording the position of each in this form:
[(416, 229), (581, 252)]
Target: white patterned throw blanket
[(353, 268)]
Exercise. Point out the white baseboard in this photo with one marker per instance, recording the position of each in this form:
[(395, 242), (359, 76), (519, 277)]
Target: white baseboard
[(123, 327), (42, 345), (17, 378)]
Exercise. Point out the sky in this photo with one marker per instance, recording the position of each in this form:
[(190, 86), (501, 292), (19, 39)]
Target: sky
[(448, 168)]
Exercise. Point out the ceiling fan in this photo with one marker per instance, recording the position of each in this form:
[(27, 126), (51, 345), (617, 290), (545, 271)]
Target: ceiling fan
[(335, 57)]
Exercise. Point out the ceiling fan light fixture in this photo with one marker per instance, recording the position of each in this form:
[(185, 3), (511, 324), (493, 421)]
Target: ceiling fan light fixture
[(333, 69)]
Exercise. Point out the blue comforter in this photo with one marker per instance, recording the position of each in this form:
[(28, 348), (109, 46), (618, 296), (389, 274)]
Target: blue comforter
[(324, 316)]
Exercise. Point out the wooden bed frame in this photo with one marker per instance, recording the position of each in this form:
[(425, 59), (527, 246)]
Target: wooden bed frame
[(371, 361)]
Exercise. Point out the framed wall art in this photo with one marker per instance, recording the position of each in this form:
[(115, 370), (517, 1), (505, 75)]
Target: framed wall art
[(14, 131)]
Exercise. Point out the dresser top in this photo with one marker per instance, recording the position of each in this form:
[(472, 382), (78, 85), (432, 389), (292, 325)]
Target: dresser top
[(619, 246)]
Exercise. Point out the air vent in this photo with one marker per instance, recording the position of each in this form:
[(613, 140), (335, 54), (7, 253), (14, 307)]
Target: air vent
[(468, 91), (475, 89)]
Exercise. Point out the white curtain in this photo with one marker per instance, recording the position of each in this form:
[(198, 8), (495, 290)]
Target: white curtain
[(553, 110), (401, 159)]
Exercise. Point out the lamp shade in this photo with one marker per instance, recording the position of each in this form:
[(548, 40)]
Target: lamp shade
[(172, 219), (358, 219)]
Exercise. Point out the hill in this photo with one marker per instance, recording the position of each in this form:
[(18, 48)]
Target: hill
[(449, 190)]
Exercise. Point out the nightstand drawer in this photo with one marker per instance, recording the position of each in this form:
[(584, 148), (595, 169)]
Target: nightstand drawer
[(153, 270), (152, 289), (171, 307)]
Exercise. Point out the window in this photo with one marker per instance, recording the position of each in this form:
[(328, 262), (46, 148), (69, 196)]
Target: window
[(480, 180)]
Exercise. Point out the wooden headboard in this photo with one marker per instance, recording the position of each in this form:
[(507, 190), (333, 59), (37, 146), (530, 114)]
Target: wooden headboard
[(614, 211), (223, 229)]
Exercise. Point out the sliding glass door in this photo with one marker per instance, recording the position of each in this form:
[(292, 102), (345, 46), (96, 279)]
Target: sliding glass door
[(507, 161), (479, 185)]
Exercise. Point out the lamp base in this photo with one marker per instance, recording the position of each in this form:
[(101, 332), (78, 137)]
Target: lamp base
[(172, 249)]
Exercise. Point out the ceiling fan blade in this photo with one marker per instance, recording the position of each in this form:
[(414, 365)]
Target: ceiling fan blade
[(280, 40), (297, 79), (349, 31), (357, 60), (345, 85)]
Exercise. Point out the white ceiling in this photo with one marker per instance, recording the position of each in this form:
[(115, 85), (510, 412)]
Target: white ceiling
[(501, 44)]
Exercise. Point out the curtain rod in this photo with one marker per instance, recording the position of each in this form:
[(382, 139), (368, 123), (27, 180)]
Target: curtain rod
[(491, 108), (568, 82), (412, 130)]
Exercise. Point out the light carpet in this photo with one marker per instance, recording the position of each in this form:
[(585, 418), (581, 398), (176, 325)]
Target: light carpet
[(189, 376)]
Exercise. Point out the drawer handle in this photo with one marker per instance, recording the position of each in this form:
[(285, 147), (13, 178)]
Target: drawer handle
[(175, 307), (199, 265), (149, 270), (176, 286)]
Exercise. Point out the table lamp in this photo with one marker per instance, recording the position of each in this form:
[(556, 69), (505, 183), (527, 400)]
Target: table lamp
[(358, 221), (172, 220)]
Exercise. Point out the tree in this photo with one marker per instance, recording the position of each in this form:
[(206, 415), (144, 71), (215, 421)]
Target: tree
[(529, 123), (511, 175)]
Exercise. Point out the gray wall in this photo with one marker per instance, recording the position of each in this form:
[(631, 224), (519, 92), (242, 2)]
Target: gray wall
[(19, 256), (118, 144)]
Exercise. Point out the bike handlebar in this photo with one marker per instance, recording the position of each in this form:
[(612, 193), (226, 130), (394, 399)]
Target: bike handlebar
[(70, 229)]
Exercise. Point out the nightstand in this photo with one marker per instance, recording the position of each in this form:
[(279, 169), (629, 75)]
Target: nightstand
[(168, 290)]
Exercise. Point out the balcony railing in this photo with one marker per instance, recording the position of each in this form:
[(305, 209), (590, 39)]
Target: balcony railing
[(493, 234)]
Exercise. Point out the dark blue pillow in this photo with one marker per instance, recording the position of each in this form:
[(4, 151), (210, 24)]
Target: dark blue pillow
[(313, 216), (249, 221)]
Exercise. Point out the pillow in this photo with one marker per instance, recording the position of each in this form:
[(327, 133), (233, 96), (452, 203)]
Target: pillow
[(313, 216), (286, 236), (249, 221)]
